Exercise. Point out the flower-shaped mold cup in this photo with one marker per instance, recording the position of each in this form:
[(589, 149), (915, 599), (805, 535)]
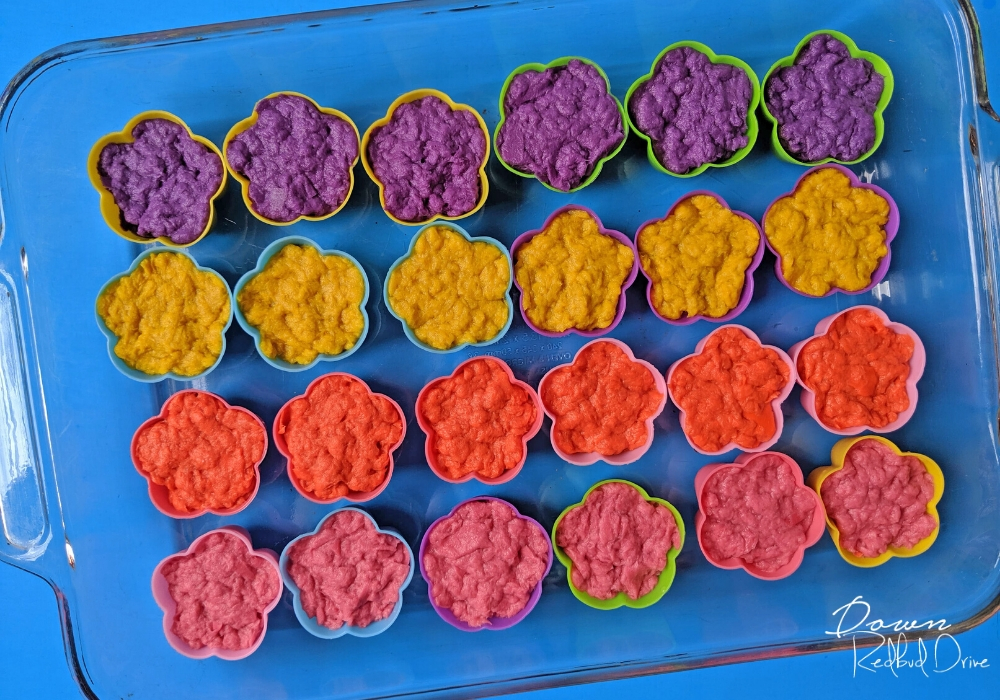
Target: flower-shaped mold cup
[(880, 67), (428, 428), (745, 295), (837, 456), (265, 257), (471, 239), (244, 124), (751, 121), (538, 68), (159, 494), (666, 576), (278, 435), (413, 96), (135, 374), (110, 210), (584, 459), (617, 235), (813, 533), (779, 420), (161, 594), (891, 228), (917, 364), (309, 623), (494, 623)]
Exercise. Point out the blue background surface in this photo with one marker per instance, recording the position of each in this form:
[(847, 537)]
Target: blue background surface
[(32, 663)]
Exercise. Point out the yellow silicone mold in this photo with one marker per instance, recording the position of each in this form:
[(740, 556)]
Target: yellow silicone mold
[(837, 455), (109, 208), (244, 124), (413, 96)]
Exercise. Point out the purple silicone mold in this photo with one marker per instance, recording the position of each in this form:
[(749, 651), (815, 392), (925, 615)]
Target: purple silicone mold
[(755, 261), (917, 364), (617, 235), (494, 623), (891, 227)]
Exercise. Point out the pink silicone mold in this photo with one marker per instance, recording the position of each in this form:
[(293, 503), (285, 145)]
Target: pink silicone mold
[(583, 459), (747, 292), (428, 429), (779, 420), (813, 533), (891, 227), (917, 364), (494, 623), (617, 235), (278, 433), (161, 594), (159, 494)]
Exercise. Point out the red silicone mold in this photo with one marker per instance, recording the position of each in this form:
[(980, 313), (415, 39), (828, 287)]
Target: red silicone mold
[(917, 364), (278, 433), (583, 459), (617, 235), (813, 534), (429, 429), (779, 420), (747, 292), (160, 494), (161, 594)]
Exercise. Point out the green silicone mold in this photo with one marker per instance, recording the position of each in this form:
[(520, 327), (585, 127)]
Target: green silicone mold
[(666, 576), (880, 66), (752, 125), (539, 67)]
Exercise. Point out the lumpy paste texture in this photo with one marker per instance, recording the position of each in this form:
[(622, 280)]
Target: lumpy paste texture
[(298, 159), (203, 451), (697, 258), (428, 159), (305, 304), (339, 437), (221, 590), (450, 290), (601, 402), (163, 182), (726, 391), (348, 573), (858, 371), (825, 102), (618, 542), (483, 561), (694, 111), (168, 316), (477, 419), (559, 123), (879, 500), (759, 512), (828, 233), (571, 274)]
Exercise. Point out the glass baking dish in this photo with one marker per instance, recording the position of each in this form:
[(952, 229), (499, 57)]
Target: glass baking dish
[(75, 512)]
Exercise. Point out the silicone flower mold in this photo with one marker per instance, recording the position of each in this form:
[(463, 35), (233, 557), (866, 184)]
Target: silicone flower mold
[(339, 438), (757, 514), (451, 290), (860, 372), (303, 305), (602, 404), (729, 391), (244, 584), (428, 156), (200, 455), (640, 548), (478, 422), (158, 180), (346, 544)]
